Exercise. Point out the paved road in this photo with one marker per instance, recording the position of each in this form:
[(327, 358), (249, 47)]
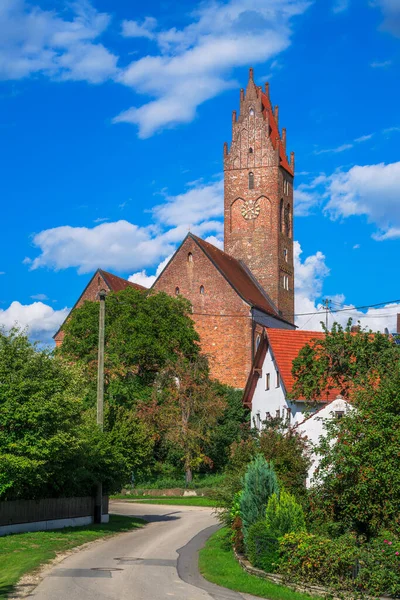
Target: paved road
[(154, 563)]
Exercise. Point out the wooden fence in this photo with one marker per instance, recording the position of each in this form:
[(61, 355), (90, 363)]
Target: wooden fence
[(15, 512)]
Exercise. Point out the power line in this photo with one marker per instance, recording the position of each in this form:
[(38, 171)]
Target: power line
[(353, 308)]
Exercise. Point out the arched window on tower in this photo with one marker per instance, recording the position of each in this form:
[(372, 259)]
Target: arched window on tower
[(287, 221), (281, 217), (190, 257), (202, 289), (177, 291), (250, 150), (251, 181)]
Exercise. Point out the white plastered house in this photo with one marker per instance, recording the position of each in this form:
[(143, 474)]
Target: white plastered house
[(271, 381)]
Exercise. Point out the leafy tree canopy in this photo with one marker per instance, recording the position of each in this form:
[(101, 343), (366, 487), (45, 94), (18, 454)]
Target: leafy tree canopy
[(49, 446), (143, 332), (343, 361), (358, 480)]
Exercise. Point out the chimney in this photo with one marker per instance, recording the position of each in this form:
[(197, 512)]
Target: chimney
[(234, 116)]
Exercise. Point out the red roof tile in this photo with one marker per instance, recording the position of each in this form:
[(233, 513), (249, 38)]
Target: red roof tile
[(116, 284), (275, 135), (286, 345), (239, 277)]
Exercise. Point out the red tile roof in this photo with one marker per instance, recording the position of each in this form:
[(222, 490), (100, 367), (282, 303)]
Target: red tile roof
[(286, 345), (239, 277), (116, 284), (275, 135)]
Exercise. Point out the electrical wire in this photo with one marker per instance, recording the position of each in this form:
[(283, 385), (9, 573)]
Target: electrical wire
[(353, 308)]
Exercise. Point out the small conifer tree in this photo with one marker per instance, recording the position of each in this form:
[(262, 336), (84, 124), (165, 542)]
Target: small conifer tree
[(284, 515), (260, 482)]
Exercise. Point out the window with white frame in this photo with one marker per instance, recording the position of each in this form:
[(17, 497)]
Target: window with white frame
[(285, 281)]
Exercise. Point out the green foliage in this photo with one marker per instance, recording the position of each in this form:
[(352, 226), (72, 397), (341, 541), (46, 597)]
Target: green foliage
[(358, 480), (229, 427), (284, 515), (290, 453), (48, 446), (343, 361), (318, 560), (262, 547), (235, 508), (343, 564), (259, 484), (142, 333)]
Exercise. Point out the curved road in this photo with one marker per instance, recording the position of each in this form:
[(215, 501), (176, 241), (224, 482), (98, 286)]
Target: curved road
[(156, 562)]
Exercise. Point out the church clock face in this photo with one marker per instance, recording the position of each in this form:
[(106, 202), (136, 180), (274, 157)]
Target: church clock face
[(250, 209)]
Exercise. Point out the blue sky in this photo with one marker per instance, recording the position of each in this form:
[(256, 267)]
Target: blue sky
[(113, 116)]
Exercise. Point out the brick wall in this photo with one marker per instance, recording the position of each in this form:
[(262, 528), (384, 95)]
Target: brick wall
[(221, 317), (259, 239)]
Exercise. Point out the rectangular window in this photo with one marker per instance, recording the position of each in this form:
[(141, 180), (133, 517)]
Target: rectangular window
[(267, 381), (278, 379), (339, 414)]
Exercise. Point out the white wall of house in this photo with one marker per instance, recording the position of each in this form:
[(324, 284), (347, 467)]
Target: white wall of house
[(314, 429), (274, 399)]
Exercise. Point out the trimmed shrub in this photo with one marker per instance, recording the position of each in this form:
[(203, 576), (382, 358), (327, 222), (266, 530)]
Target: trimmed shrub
[(260, 482), (262, 548), (284, 515), (314, 559)]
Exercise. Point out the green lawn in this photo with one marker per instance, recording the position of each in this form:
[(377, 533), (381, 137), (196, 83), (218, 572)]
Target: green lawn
[(177, 500), (218, 564), (24, 552)]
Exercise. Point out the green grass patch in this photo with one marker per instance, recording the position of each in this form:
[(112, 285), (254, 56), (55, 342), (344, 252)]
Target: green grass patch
[(218, 564), (24, 552), (211, 480), (177, 500)]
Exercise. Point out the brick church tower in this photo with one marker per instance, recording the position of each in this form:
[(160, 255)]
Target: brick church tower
[(258, 199)]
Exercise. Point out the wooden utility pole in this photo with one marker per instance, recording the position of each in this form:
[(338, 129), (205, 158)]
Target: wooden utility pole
[(98, 510)]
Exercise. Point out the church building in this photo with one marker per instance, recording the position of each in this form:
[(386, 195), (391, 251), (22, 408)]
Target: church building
[(237, 292)]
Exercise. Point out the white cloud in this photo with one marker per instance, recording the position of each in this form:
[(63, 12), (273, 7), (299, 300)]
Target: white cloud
[(310, 275), (340, 6), (194, 64), (376, 64), (61, 46), (39, 297), (41, 320), (124, 246), (147, 280), (137, 30), (371, 190), (391, 14)]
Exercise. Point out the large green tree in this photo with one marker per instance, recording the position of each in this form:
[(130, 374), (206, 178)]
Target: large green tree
[(358, 480), (49, 445), (342, 360)]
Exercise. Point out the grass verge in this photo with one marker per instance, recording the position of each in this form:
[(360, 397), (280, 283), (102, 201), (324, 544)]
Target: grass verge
[(176, 500), (217, 564), (24, 552)]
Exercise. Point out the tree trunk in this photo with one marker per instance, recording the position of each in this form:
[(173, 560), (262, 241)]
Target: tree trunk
[(189, 476)]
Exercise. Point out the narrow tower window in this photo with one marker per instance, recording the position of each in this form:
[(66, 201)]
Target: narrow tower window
[(250, 150), (190, 257), (287, 220), (285, 254), (202, 289), (251, 181), (251, 112), (177, 291)]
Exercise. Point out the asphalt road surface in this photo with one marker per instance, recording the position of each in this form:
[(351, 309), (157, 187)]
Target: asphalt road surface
[(154, 563)]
